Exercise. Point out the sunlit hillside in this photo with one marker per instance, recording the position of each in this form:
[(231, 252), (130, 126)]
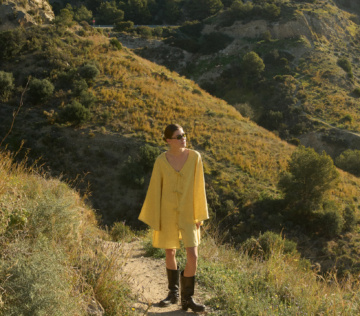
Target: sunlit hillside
[(308, 87), (95, 116), (135, 101)]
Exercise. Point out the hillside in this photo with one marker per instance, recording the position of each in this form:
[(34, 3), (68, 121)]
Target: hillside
[(304, 46), (94, 112), (56, 261), (91, 113), (53, 259), (135, 100), (24, 13)]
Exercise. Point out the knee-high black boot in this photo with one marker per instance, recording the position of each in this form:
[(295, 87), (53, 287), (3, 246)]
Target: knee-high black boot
[(173, 295), (187, 291)]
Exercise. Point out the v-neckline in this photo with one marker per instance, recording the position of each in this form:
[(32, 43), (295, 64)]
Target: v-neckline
[(182, 168)]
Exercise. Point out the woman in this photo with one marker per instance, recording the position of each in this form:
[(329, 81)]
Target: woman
[(175, 206)]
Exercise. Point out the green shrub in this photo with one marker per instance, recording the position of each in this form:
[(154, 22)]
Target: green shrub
[(75, 113), (309, 176), (295, 141), (144, 31), (158, 31), (356, 92), (136, 168), (6, 84), (240, 10), (328, 223), (245, 110), (148, 155), (349, 161), (120, 232), (87, 98), (89, 72), (66, 79), (271, 11), (150, 251), (40, 90), (123, 26), (65, 18), (350, 219), (346, 119), (108, 13), (268, 243), (79, 86), (252, 64), (82, 14), (266, 36), (345, 64), (115, 43)]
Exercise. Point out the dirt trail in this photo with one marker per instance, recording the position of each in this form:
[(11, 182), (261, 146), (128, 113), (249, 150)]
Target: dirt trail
[(147, 279)]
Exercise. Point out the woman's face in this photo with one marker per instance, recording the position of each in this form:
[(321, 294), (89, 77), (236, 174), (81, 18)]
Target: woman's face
[(178, 139)]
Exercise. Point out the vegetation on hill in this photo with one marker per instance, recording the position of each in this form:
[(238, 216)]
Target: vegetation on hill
[(53, 261), (141, 12), (96, 117), (267, 277), (93, 112), (309, 81)]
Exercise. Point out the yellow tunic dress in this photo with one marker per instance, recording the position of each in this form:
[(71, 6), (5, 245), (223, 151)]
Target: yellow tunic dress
[(175, 202)]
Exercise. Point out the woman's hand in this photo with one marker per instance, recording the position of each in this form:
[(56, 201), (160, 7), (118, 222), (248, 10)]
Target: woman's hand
[(198, 225)]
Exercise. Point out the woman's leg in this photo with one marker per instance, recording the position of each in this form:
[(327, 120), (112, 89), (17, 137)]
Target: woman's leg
[(188, 282), (170, 259), (191, 263), (173, 275)]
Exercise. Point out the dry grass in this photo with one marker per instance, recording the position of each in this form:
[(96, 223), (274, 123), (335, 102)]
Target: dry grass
[(283, 284), (145, 97), (51, 262)]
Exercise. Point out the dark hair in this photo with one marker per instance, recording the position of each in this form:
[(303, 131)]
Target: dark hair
[(169, 131)]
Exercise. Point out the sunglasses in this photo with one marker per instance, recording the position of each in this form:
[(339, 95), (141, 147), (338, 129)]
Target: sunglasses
[(178, 137)]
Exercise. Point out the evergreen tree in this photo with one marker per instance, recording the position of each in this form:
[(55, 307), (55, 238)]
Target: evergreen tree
[(138, 12), (108, 13), (308, 178), (252, 65), (172, 11), (82, 14)]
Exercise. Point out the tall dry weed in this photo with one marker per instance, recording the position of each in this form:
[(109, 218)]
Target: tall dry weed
[(52, 262)]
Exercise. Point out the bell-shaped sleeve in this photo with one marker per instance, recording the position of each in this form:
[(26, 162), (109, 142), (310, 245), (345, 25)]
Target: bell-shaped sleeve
[(200, 203), (150, 212)]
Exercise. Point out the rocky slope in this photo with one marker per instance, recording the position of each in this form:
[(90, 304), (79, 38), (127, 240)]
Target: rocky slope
[(15, 13)]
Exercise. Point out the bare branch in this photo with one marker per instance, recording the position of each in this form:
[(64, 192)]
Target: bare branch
[(15, 113)]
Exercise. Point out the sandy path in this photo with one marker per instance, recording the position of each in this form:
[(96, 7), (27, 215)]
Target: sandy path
[(148, 281)]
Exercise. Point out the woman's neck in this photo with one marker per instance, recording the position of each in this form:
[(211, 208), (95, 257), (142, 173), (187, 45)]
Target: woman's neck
[(176, 151)]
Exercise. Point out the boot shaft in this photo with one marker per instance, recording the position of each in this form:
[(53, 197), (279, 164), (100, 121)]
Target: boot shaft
[(187, 285), (173, 279), (173, 285), (187, 291)]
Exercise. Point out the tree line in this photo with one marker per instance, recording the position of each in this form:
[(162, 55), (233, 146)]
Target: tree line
[(156, 12)]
